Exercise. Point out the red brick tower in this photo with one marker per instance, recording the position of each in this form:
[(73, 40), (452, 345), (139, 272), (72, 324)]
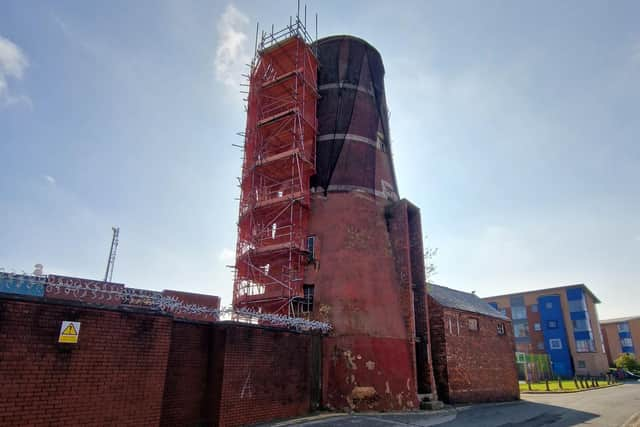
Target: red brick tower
[(321, 230), (367, 276)]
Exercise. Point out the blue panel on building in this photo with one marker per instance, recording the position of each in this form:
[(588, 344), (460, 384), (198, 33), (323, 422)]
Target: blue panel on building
[(494, 305), (582, 335), (628, 350), (575, 293), (551, 310), (624, 335), (578, 315), (21, 285)]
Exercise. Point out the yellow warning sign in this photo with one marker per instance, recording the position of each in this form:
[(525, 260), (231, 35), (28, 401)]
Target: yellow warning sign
[(69, 332)]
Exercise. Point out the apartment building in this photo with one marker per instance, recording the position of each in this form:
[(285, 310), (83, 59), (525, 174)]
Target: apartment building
[(621, 336), (561, 322)]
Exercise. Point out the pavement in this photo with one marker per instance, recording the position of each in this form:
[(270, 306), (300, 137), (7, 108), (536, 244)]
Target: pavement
[(612, 406)]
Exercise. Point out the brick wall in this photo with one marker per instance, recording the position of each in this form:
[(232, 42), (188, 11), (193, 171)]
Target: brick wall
[(140, 368), (438, 350), (480, 365), (186, 387), (268, 374), (114, 375), (369, 357)]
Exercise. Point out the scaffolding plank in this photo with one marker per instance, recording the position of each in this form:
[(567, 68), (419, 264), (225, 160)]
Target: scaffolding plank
[(277, 116), (279, 156), (282, 78)]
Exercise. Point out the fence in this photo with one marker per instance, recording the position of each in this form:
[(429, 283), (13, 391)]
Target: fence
[(112, 293)]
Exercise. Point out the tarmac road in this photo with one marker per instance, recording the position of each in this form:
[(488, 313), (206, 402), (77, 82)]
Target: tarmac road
[(614, 406)]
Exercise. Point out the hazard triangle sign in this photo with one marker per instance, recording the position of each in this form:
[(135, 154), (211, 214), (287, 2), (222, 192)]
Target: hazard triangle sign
[(69, 332)]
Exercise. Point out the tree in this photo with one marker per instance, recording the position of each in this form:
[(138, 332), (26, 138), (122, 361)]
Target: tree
[(429, 255), (628, 362)]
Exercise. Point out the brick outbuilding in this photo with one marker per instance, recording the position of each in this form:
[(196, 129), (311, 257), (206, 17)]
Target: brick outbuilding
[(472, 347)]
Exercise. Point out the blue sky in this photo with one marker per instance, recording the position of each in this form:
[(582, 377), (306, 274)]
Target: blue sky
[(515, 129)]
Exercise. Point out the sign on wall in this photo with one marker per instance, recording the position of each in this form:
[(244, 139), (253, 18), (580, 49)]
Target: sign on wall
[(69, 332)]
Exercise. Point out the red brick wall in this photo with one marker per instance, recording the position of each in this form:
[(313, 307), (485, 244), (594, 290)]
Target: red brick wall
[(439, 350), (114, 375), (140, 368), (480, 365), (186, 385), (369, 307), (267, 374)]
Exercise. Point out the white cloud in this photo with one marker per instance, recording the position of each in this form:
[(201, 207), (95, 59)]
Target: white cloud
[(232, 51), (227, 255), (51, 180), (13, 62)]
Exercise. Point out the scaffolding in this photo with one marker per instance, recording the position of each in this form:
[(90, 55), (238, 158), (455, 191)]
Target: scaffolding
[(279, 160)]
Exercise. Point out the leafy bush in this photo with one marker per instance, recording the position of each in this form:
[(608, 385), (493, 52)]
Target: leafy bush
[(628, 362)]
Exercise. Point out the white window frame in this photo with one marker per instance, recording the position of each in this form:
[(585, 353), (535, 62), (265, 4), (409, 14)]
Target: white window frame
[(555, 344)]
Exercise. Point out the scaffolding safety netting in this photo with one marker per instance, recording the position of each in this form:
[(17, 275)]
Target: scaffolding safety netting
[(353, 144)]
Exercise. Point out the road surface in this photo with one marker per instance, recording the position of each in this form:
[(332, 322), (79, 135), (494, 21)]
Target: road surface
[(614, 406)]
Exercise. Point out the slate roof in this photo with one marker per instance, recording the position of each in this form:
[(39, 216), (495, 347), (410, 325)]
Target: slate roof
[(459, 300)]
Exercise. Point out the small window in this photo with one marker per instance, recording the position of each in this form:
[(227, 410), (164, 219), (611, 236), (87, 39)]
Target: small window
[(540, 345), (473, 324), (552, 324), (517, 300), (577, 305), (534, 308), (626, 342), (555, 344), (585, 346), (581, 325), (518, 313), (311, 246), (582, 364), (623, 327), (307, 303), (501, 329), (537, 327), (503, 311), (520, 330), (548, 305)]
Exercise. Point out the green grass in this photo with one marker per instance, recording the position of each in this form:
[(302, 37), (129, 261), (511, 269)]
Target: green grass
[(567, 386)]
